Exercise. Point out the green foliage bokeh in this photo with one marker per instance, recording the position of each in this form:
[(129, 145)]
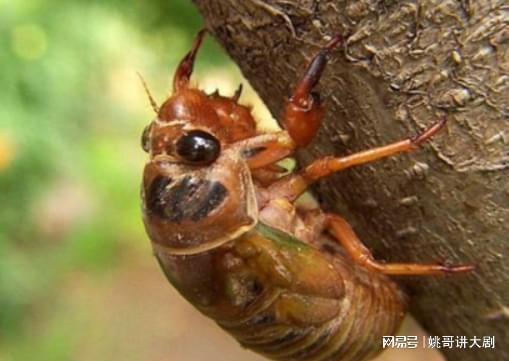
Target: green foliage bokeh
[(69, 140)]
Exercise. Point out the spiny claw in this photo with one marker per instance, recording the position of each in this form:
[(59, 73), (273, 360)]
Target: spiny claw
[(429, 132), (185, 68), (237, 94), (458, 269), (335, 42), (314, 71)]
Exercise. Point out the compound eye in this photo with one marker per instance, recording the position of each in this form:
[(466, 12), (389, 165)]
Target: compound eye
[(198, 147), (145, 138)]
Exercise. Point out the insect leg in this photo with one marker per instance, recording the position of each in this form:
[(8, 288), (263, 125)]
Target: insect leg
[(268, 175), (266, 149), (294, 185), (304, 110), (344, 233), (185, 68)]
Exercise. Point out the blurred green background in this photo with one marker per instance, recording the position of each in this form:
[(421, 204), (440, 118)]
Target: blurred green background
[(75, 264), (77, 280)]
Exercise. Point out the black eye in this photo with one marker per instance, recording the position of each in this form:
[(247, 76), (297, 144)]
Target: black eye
[(145, 138), (198, 146)]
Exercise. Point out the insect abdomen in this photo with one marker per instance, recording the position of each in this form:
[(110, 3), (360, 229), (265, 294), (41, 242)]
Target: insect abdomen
[(343, 318), (365, 314)]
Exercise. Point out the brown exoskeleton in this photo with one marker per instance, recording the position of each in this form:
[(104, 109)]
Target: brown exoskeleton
[(227, 234)]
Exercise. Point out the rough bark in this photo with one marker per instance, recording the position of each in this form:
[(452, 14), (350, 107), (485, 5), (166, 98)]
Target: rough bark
[(404, 63)]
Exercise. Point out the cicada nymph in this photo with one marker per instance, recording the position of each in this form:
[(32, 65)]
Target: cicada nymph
[(230, 238)]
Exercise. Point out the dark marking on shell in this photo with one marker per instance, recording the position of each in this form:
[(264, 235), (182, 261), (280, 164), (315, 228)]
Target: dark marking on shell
[(215, 196), (155, 200), (191, 198), (255, 287), (285, 340), (180, 198), (263, 319), (251, 152)]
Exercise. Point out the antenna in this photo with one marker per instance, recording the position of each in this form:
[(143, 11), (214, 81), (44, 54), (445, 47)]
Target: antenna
[(147, 91)]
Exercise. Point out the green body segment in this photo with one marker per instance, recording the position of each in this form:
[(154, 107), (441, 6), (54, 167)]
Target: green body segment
[(289, 300)]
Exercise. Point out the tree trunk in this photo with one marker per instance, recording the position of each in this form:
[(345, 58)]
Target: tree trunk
[(404, 64)]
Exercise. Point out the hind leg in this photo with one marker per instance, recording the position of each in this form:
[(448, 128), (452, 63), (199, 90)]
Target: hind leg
[(344, 234)]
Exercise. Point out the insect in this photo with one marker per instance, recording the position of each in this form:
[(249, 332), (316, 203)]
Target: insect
[(287, 282)]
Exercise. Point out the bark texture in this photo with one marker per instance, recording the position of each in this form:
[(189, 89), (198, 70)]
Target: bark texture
[(404, 64)]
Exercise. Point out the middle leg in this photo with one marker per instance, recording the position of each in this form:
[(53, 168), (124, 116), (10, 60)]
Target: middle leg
[(293, 185)]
